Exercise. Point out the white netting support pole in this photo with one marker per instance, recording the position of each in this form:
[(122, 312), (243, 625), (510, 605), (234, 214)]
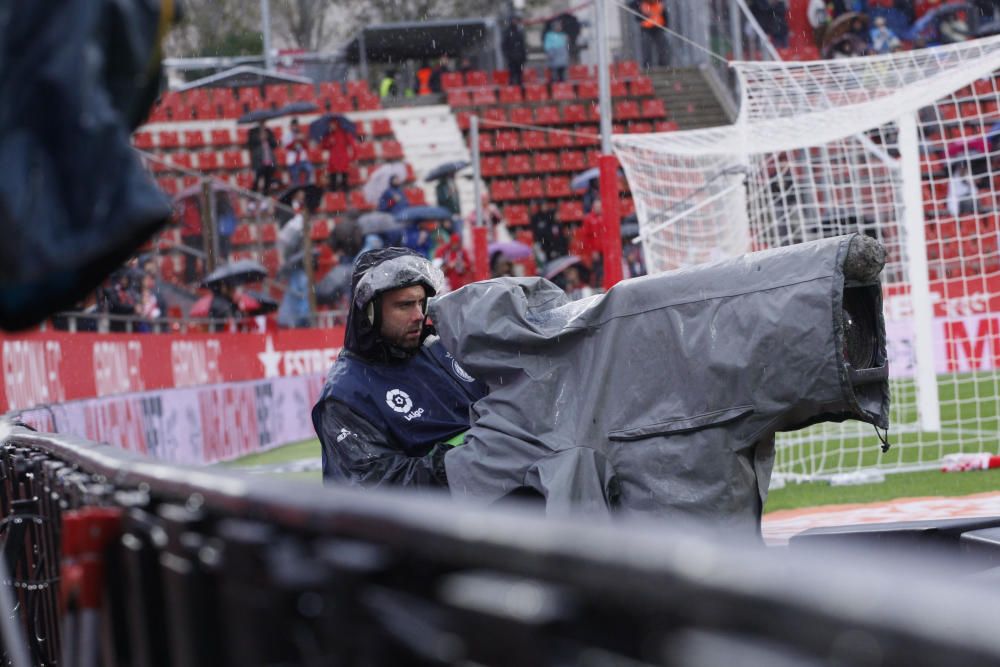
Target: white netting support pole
[(928, 405)]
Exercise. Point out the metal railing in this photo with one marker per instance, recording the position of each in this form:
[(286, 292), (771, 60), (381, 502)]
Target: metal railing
[(98, 322), (117, 559)]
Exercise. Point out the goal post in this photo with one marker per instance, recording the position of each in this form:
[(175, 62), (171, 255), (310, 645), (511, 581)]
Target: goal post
[(900, 147)]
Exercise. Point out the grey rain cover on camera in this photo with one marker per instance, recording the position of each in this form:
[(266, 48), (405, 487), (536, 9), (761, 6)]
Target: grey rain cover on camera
[(660, 397)]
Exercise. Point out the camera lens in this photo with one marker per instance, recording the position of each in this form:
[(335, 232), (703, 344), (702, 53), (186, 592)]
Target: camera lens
[(859, 331)]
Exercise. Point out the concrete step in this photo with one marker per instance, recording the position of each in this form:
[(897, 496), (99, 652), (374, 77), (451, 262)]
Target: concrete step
[(690, 99)]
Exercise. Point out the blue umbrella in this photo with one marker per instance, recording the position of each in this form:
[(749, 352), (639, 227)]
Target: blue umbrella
[(421, 213), (446, 169), (321, 127)]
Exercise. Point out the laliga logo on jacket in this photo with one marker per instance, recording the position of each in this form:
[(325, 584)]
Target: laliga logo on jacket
[(398, 400)]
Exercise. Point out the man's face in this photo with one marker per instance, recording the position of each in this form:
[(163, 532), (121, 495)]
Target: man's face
[(403, 316)]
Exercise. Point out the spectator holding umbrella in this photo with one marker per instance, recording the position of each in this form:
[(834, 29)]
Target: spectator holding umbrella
[(342, 148), (393, 199), (300, 169), (151, 306), (447, 194), (261, 144)]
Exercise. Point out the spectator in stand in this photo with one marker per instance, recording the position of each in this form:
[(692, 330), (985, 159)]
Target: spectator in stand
[(953, 30), (447, 194), (772, 15), (225, 223), (551, 240), (293, 313), (424, 75), (573, 282), (443, 66), (292, 233), (883, 39), (515, 50), (393, 199), (591, 241), (556, 47), (652, 38), (191, 237), (261, 143), (342, 149), (962, 191), (223, 305), (819, 18), (500, 265), (120, 298), (151, 306), (454, 262), (300, 169), (591, 194), (387, 88)]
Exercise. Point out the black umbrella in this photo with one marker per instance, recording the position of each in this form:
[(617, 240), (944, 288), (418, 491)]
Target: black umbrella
[(236, 273), (377, 222), (421, 213), (296, 108), (258, 115), (334, 285), (320, 127), (446, 169), (314, 194)]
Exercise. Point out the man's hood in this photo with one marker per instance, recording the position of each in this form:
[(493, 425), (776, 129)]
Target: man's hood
[(377, 272)]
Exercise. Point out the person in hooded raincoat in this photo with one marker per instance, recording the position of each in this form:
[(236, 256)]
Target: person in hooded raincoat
[(395, 402)]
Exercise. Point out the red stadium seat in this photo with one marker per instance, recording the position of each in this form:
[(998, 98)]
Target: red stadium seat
[(476, 78), (359, 202), (563, 91), (230, 107), (302, 92), (666, 126), (626, 69), (546, 162), (587, 90), (391, 150), (508, 140), (501, 77), (194, 138), (450, 80), (519, 164), (522, 115), (381, 127), (462, 118), (486, 143), (654, 108), (547, 115), (496, 114), (458, 98), (572, 161), (536, 92), (367, 102), (640, 127), (516, 215), (570, 211), (364, 151), (502, 191), (491, 165), (535, 139), (642, 87), (234, 160), (319, 230), (268, 232), (484, 97), (560, 140), (417, 196), (208, 161), (510, 95), (243, 235), (143, 140), (334, 202), (221, 137), (627, 110), (557, 186), (181, 160), (619, 89), (531, 188), (579, 72), (356, 87), (168, 139), (574, 114)]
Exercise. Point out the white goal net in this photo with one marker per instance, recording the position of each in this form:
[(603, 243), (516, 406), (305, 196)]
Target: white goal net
[(905, 148)]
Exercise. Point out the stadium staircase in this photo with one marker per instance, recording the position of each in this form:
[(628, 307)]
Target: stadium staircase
[(690, 96)]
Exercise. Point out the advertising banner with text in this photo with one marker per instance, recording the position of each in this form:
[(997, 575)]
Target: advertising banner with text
[(46, 368)]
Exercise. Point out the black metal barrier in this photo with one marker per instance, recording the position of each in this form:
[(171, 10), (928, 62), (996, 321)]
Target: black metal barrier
[(119, 560)]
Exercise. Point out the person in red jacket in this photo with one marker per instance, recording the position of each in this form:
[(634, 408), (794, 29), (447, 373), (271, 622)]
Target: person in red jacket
[(341, 145)]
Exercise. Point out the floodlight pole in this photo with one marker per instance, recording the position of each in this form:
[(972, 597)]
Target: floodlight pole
[(607, 163), (265, 29), (480, 251)]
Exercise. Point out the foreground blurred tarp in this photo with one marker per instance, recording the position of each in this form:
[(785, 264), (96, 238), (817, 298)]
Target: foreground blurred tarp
[(75, 79)]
